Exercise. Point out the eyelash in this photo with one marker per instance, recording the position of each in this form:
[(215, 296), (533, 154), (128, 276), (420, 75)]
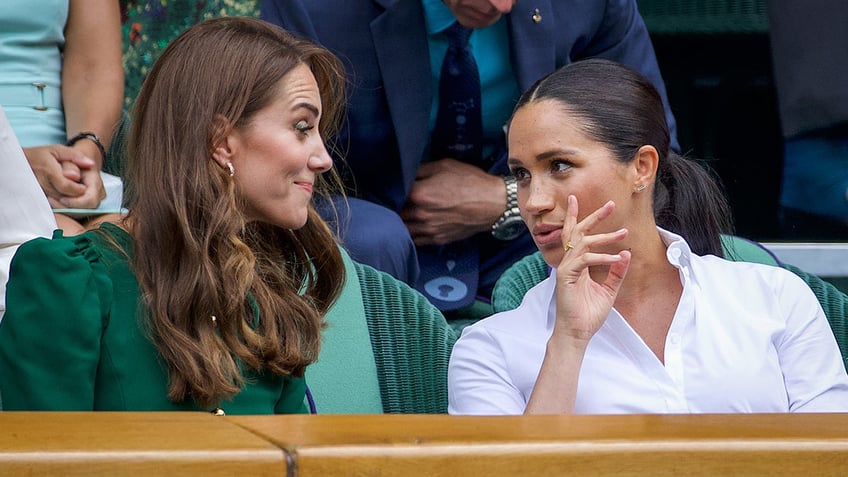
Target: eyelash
[(303, 127), (522, 174), (556, 163)]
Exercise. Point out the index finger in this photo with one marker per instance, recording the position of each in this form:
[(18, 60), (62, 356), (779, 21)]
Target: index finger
[(602, 212), (570, 217), (74, 156)]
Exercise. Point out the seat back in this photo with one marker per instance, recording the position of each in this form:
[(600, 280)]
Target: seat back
[(835, 305), (516, 280), (741, 249), (411, 342), (386, 349)]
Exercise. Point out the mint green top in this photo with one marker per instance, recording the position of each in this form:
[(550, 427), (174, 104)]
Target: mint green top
[(72, 338), (32, 37)]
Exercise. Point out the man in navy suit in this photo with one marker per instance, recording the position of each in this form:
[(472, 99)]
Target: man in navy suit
[(393, 50)]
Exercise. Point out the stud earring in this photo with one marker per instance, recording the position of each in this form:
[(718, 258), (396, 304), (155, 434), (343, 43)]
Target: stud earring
[(640, 187)]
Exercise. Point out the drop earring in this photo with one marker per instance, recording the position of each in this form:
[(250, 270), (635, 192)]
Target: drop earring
[(231, 168)]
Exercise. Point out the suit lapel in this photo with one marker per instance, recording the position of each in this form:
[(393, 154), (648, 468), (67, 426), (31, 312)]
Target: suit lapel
[(400, 40), (533, 54)]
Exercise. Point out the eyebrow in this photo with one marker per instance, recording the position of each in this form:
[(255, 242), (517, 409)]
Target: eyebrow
[(547, 155), (311, 107)]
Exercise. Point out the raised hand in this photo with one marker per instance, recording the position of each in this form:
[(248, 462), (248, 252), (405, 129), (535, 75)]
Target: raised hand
[(587, 280), (587, 284)]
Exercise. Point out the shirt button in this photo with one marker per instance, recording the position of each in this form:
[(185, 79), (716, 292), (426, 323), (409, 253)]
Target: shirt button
[(674, 339)]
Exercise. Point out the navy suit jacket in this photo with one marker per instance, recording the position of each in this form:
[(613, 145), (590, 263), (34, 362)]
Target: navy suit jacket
[(383, 44)]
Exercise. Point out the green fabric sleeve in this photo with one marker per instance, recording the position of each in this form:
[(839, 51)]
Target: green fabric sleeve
[(292, 399), (57, 298)]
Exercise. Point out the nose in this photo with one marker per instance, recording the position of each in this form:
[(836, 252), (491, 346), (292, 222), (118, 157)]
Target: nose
[(503, 6), (536, 198), (320, 160)]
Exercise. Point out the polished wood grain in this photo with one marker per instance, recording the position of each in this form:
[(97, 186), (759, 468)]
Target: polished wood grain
[(634, 445), (114, 444), (105, 443)]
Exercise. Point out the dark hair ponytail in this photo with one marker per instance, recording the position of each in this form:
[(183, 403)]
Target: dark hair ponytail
[(621, 109), (689, 202)]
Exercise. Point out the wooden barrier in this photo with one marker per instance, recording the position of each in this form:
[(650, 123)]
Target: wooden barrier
[(104, 443), (113, 444), (634, 445)]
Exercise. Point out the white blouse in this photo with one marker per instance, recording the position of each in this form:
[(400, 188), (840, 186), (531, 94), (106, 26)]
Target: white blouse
[(24, 211), (745, 337)]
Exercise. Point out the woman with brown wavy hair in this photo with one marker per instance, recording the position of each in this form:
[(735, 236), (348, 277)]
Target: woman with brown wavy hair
[(210, 293)]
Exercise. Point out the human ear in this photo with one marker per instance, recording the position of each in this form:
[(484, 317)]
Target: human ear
[(645, 166), (222, 154), (222, 143)]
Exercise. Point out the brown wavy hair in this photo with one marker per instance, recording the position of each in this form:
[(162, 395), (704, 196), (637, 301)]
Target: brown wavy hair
[(195, 255)]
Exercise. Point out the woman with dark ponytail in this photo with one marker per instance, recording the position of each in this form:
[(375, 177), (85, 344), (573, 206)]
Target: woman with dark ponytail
[(640, 313)]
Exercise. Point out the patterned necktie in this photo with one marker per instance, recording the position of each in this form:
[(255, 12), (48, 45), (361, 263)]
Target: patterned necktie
[(459, 124), (449, 273)]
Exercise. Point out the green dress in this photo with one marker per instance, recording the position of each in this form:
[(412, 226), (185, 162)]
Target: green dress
[(72, 339)]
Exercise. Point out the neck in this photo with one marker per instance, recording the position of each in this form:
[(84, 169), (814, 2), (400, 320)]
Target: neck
[(649, 270)]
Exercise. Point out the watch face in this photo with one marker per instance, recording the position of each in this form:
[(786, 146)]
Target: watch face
[(510, 229)]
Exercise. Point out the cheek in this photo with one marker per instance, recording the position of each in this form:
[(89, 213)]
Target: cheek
[(591, 196)]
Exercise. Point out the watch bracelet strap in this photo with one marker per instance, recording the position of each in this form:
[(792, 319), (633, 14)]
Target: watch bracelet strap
[(93, 138), (511, 202)]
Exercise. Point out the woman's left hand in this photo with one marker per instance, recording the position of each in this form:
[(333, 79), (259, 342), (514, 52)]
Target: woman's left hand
[(583, 304)]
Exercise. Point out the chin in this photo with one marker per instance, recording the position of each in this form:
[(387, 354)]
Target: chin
[(552, 257), (291, 221), (295, 224), (551, 253)]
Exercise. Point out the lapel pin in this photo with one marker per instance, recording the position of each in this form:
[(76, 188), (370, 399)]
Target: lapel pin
[(537, 17)]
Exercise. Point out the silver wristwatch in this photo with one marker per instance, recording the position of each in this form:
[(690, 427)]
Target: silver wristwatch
[(509, 225)]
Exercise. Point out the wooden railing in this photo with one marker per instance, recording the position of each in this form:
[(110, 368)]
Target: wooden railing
[(200, 444), (160, 443)]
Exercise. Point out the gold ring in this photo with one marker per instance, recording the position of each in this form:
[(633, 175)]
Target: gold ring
[(568, 245)]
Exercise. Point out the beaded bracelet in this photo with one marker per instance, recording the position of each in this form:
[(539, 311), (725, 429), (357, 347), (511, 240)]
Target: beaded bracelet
[(93, 137)]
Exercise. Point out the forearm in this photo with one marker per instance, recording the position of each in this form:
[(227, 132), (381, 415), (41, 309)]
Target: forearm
[(92, 72), (555, 391)]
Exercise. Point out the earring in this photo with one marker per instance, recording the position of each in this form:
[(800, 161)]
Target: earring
[(640, 187), (231, 168)]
